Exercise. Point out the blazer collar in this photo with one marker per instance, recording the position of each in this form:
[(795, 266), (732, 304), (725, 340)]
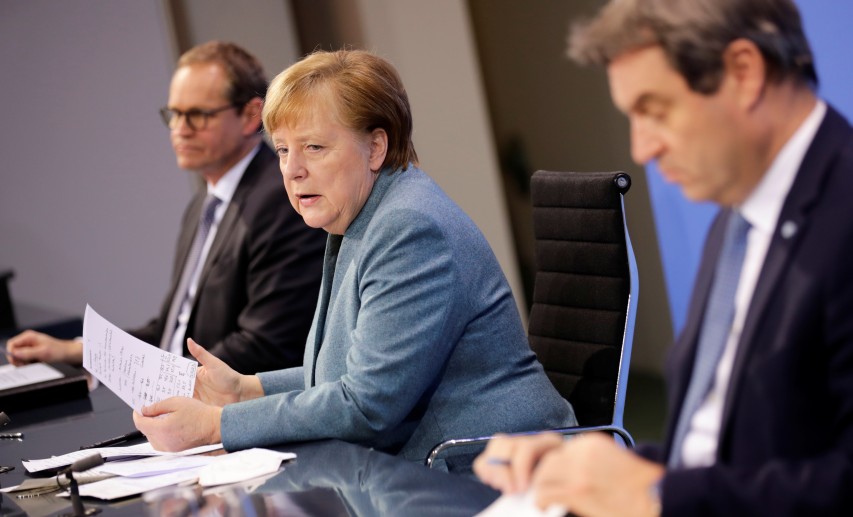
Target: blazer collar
[(385, 178), (235, 207)]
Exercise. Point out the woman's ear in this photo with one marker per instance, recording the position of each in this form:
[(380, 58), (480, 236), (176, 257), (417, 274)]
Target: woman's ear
[(378, 148)]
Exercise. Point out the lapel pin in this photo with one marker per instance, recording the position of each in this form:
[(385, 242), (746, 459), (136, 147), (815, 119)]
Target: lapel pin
[(789, 228)]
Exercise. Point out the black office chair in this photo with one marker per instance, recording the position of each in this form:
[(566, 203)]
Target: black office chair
[(8, 323), (581, 323)]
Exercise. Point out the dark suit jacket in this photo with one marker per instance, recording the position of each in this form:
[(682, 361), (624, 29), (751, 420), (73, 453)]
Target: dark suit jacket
[(786, 443), (258, 287)]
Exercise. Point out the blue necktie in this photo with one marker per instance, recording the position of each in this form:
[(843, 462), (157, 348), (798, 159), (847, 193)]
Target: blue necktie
[(716, 327), (208, 211)]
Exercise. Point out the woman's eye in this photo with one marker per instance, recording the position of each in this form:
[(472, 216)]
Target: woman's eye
[(281, 151), (314, 147)]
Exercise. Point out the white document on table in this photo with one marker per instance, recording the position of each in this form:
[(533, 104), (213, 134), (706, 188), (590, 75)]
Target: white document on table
[(13, 377), (155, 466), (139, 373), (242, 466), (118, 487), (520, 505), (142, 449), (230, 468)]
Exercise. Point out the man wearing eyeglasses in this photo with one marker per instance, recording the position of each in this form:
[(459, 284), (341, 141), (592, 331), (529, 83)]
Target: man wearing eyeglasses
[(247, 269)]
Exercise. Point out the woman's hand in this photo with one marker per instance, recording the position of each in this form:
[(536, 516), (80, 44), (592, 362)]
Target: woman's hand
[(179, 423), (217, 384)]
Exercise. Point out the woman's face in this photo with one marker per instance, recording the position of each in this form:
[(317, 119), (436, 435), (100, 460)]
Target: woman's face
[(328, 168)]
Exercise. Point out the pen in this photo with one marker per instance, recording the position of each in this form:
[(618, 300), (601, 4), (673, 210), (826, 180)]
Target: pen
[(498, 461), (118, 439), (11, 436)]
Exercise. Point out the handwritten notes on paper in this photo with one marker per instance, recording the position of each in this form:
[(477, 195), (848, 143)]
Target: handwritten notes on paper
[(140, 374)]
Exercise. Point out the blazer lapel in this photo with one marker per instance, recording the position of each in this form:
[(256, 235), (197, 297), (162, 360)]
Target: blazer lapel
[(223, 235), (225, 230), (333, 246), (793, 223), (681, 356), (185, 240)]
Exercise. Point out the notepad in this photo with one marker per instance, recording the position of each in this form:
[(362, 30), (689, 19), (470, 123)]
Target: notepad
[(40, 384)]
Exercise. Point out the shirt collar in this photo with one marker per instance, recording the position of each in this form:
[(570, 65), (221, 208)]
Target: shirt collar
[(227, 184), (764, 204)]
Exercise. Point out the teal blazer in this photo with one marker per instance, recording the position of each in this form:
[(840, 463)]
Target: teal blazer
[(416, 338)]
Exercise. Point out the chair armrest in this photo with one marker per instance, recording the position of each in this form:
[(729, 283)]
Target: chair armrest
[(627, 440)]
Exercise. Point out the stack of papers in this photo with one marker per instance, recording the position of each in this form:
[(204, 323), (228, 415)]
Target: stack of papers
[(154, 469), (141, 374)]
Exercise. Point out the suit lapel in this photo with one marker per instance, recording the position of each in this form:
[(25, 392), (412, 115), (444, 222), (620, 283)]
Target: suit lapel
[(333, 246), (185, 240), (791, 226), (225, 231), (681, 356)]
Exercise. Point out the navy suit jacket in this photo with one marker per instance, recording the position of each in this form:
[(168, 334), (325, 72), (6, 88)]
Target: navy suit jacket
[(258, 287), (786, 443)]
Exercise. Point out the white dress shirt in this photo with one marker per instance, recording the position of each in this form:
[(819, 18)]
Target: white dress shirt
[(761, 209), (224, 190)]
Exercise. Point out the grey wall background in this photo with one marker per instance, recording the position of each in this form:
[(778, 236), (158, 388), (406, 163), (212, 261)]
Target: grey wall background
[(90, 196), (89, 191)]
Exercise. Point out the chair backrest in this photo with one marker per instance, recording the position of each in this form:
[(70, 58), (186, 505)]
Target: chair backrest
[(581, 323), (7, 311)]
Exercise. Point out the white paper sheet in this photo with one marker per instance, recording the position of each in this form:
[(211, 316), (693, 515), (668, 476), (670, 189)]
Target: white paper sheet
[(118, 487), (242, 466), (12, 377), (155, 466), (520, 505), (142, 449), (140, 374)]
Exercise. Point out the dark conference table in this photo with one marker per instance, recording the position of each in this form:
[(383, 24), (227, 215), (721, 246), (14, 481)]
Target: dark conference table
[(328, 478)]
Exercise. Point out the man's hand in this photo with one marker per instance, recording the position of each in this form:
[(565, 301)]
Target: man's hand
[(507, 463), (593, 476), (31, 347), (179, 423), (218, 384)]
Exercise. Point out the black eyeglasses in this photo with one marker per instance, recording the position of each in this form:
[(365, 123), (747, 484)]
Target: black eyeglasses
[(196, 118)]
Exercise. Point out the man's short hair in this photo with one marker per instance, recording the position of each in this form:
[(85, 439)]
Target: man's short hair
[(246, 78), (694, 35)]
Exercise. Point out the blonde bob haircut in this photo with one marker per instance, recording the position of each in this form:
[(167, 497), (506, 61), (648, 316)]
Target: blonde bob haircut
[(364, 89)]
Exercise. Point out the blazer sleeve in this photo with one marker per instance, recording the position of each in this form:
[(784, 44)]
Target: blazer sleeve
[(404, 334)]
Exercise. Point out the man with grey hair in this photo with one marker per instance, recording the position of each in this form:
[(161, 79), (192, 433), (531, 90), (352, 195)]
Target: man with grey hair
[(721, 94)]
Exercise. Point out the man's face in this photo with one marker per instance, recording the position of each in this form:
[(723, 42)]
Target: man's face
[(216, 148), (698, 140)]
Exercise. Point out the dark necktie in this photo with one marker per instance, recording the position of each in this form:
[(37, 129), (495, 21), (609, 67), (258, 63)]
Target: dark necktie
[(716, 327), (190, 266)]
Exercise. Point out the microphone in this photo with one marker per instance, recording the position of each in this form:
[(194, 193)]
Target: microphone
[(81, 465), (84, 464), (4, 420)]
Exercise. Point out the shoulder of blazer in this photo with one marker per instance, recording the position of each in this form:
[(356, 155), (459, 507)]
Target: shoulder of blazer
[(261, 184)]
